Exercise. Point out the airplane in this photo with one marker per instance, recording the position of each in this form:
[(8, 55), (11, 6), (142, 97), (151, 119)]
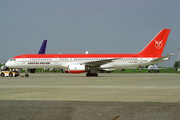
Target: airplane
[(91, 63), (153, 68)]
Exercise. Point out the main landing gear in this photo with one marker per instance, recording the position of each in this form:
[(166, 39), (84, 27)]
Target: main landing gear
[(91, 74)]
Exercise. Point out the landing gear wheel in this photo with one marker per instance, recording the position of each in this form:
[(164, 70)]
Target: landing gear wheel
[(2, 74), (95, 74), (10, 74), (26, 75), (91, 74), (87, 74)]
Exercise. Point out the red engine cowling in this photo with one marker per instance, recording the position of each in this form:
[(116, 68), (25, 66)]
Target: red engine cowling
[(75, 69), (66, 71)]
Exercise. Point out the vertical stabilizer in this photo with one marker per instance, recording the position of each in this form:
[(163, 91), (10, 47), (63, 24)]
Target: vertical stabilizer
[(42, 49), (157, 44)]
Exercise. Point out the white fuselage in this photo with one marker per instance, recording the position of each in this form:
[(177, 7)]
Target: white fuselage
[(64, 63)]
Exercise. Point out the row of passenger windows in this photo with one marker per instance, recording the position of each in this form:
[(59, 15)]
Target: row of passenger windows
[(127, 58), (41, 59), (82, 59)]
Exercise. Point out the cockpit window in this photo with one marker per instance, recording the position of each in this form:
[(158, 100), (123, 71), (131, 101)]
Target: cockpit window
[(12, 59)]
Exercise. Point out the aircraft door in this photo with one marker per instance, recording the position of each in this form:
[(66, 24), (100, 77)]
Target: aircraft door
[(56, 59), (23, 59)]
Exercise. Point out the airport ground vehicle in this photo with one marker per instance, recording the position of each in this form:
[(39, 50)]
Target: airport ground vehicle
[(9, 74), (12, 74)]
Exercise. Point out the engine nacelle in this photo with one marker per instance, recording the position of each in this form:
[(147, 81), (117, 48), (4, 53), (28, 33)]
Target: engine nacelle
[(4, 68), (76, 69)]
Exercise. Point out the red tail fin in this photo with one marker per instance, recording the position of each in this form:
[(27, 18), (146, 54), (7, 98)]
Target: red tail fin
[(156, 46)]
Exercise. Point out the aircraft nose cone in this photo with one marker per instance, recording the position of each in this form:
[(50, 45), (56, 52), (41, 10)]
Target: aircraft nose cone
[(7, 64)]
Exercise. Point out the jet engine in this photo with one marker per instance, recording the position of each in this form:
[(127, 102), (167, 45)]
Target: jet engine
[(76, 69)]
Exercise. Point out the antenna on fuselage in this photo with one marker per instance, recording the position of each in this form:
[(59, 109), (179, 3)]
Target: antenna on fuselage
[(87, 52)]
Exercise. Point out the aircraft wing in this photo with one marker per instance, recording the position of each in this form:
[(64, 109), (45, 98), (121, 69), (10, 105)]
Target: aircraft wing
[(98, 62), (162, 59), (144, 69), (161, 68), (152, 69)]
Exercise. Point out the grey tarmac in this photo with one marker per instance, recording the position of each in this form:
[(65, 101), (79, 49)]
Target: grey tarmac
[(157, 87), (75, 96)]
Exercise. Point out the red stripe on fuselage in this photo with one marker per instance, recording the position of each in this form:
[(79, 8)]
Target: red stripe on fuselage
[(85, 56)]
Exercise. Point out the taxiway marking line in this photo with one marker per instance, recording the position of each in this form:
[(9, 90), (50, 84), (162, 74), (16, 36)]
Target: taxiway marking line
[(95, 87)]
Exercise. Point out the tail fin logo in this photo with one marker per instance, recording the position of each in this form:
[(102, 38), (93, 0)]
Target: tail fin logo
[(158, 44)]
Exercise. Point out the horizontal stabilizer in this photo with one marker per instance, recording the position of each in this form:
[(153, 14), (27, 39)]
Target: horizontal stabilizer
[(162, 59)]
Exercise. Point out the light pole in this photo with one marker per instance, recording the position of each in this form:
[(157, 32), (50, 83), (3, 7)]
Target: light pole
[(178, 59)]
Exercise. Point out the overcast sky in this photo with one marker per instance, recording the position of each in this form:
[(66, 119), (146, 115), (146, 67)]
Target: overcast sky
[(76, 26)]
